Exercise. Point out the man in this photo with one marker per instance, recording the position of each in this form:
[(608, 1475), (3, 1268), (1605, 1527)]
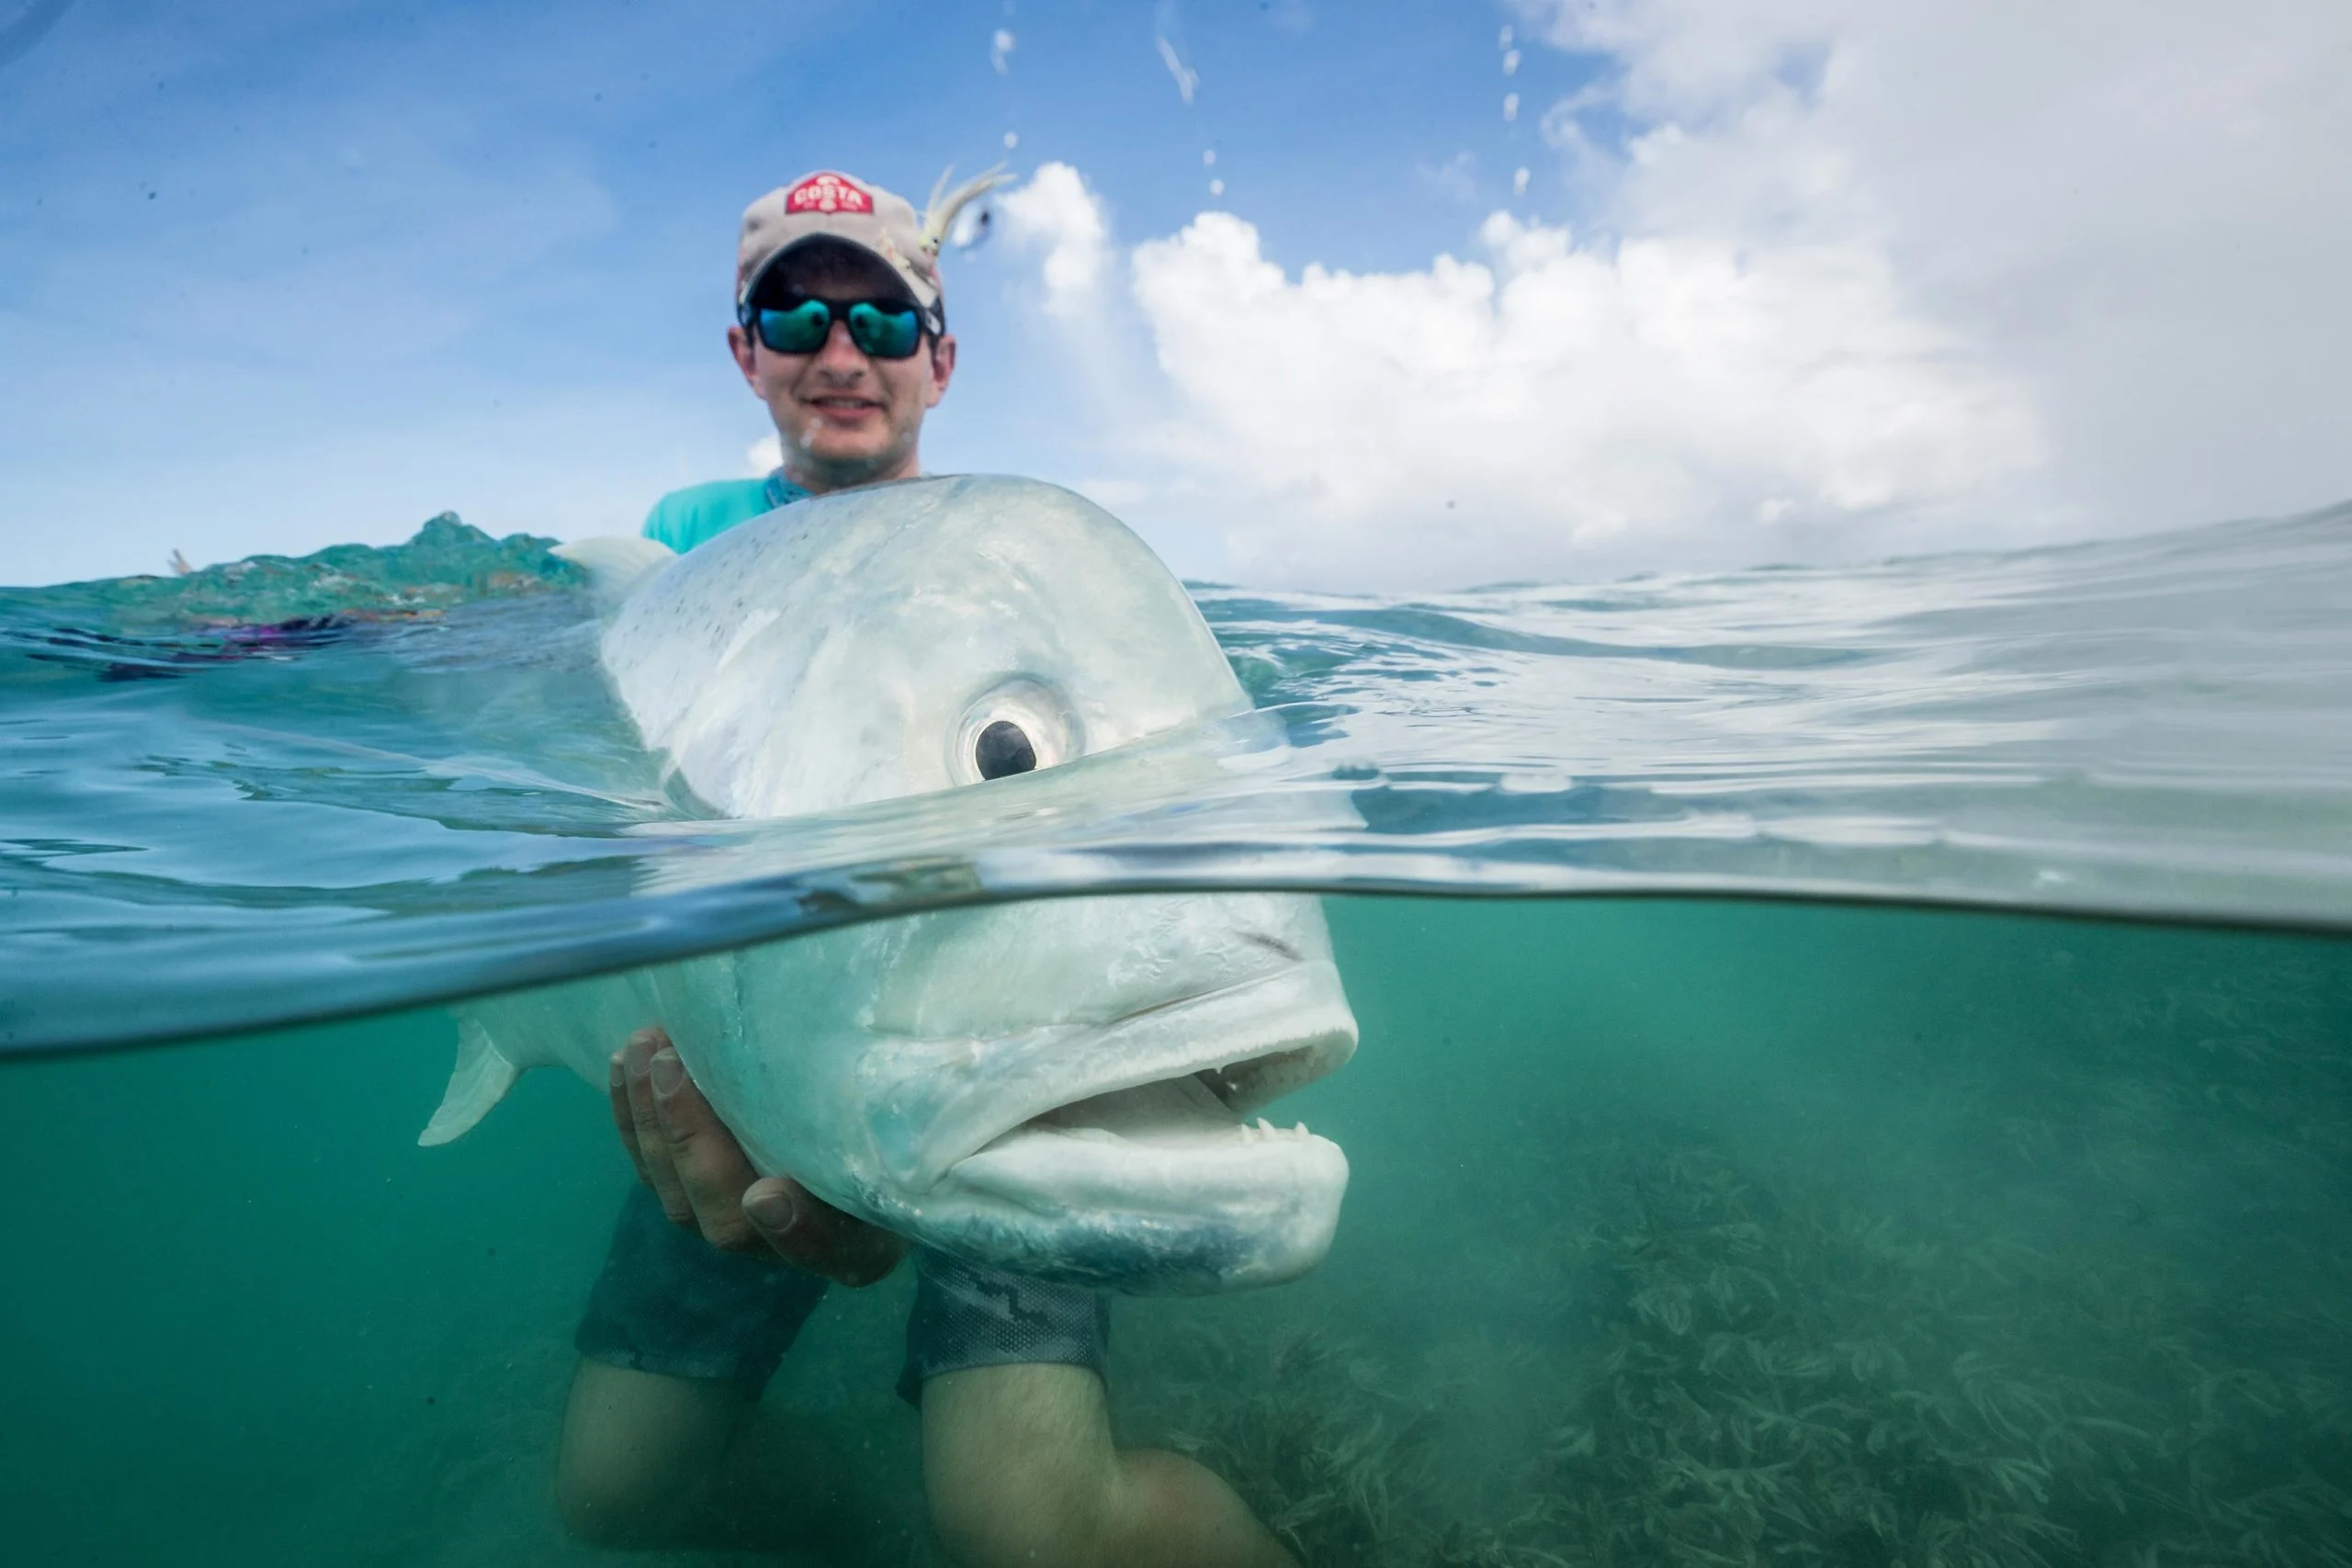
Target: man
[(841, 332)]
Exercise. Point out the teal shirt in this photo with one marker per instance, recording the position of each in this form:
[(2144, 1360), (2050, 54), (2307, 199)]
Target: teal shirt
[(699, 513)]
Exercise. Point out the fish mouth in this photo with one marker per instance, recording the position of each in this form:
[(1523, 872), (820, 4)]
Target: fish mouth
[(1124, 1155), (1168, 1075), (1169, 1143), (1163, 1120), (1163, 1187)]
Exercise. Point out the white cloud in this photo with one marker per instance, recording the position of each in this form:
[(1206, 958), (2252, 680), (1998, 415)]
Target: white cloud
[(1078, 290), (2138, 210), (1556, 408), (1055, 215), (1852, 278)]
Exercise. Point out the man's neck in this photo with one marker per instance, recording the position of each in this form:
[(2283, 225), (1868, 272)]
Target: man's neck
[(821, 481)]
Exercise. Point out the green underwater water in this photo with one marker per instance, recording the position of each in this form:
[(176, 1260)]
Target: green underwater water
[(1680, 1232)]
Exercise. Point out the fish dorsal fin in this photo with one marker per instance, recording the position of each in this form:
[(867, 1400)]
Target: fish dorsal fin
[(479, 1082), (615, 563)]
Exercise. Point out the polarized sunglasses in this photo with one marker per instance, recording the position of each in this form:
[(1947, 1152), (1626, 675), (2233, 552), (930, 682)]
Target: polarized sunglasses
[(882, 329)]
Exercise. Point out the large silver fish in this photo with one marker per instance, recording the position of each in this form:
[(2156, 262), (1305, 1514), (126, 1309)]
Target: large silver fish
[(1065, 1087)]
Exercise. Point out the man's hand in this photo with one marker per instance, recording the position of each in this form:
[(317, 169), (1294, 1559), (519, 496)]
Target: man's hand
[(693, 1163)]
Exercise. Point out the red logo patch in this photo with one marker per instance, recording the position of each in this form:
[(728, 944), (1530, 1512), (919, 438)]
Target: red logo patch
[(827, 193)]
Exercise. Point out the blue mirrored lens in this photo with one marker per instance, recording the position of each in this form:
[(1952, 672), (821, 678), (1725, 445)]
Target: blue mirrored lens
[(885, 333), (799, 329)]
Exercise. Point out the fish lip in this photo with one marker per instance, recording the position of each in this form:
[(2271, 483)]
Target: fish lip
[(1311, 1023), (1138, 1251), (1256, 1210)]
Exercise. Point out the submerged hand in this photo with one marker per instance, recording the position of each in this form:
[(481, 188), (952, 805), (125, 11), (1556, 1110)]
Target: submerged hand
[(695, 1166)]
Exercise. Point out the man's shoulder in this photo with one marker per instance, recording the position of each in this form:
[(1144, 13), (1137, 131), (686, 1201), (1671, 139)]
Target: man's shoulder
[(684, 518)]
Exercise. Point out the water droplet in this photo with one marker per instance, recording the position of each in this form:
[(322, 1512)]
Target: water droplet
[(1188, 81)]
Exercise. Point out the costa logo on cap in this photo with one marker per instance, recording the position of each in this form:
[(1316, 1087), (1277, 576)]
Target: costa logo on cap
[(827, 193)]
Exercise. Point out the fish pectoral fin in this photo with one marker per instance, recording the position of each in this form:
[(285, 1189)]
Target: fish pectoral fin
[(479, 1082), (615, 563)]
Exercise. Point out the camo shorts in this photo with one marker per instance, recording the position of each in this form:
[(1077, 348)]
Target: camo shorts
[(670, 1302)]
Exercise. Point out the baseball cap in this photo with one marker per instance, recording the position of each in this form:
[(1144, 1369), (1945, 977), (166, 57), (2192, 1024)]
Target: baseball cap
[(829, 205)]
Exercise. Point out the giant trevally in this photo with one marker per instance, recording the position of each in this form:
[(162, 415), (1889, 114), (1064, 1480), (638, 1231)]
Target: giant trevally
[(1065, 1087)]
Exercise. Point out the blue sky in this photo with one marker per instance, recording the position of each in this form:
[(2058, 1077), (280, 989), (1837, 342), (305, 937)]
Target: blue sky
[(274, 275), (277, 275)]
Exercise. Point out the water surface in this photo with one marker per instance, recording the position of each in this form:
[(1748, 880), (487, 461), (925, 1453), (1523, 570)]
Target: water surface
[(225, 803), (1901, 1114)]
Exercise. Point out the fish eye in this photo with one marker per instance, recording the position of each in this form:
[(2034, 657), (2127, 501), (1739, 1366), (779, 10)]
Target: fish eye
[(1018, 725), (1002, 749)]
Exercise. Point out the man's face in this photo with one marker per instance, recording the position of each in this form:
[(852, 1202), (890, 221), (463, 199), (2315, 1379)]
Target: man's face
[(844, 418)]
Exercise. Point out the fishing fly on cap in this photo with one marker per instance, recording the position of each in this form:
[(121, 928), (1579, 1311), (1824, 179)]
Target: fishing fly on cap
[(829, 205)]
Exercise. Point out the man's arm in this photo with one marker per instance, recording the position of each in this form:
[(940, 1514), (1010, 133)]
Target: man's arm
[(693, 1163)]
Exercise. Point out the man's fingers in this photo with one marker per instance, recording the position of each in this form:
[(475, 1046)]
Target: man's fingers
[(699, 1171), (802, 1228), (711, 1166), (624, 1119), (650, 1146)]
